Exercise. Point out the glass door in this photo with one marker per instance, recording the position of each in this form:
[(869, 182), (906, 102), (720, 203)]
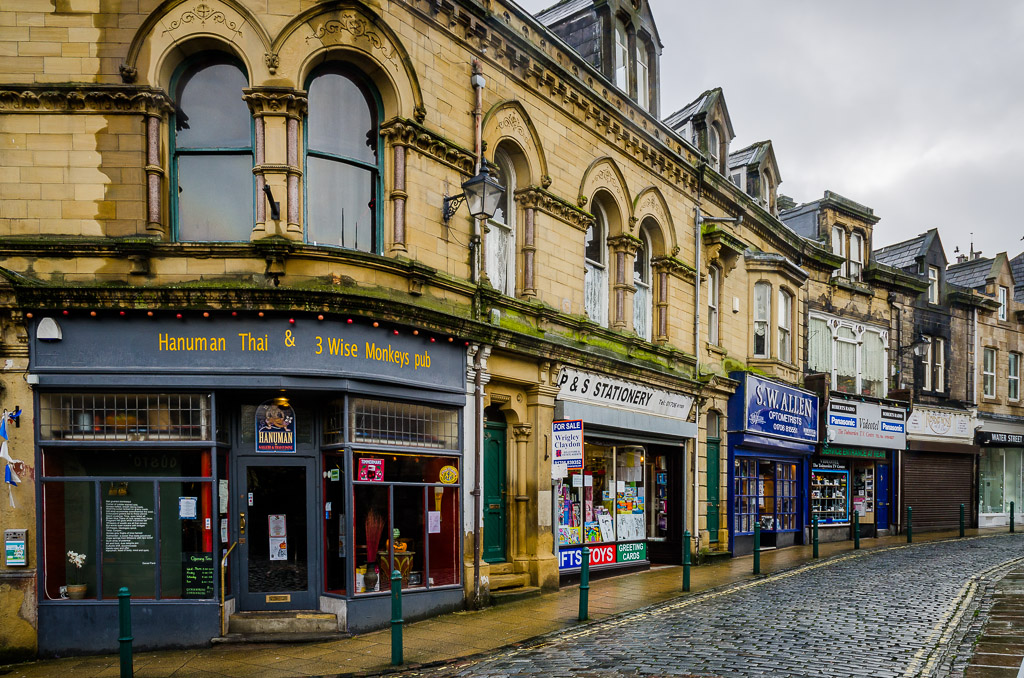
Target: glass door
[(276, 529)]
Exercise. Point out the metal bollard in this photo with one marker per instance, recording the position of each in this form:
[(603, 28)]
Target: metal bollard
[(910, 524), (124, 615), (961, 521), (814, 537), (1011, 516), (396, 618), (584, 584), (856, 530), (757, 548), (686, 561)]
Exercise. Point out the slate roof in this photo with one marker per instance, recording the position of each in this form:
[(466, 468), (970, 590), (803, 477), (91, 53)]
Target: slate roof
[(970, 274), (680, 117), (563, 9), (747, 156), (902, 255)]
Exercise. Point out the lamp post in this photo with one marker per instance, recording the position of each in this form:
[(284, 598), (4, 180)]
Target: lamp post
[(481, 194)]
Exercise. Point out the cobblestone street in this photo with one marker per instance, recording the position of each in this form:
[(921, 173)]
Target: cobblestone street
[(891, 612)]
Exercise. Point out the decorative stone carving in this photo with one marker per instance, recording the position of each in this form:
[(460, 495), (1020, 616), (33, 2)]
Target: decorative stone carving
[(94, 99), (511, 123), (276, 101), (358, 27), (419, 113), (202, 13), (273, 61), (128, 74), (537, 198), (415, 136)]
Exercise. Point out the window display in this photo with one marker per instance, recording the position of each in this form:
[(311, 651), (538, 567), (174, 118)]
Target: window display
[(766, 493), (604, 501), (657, 505), (830, 499)]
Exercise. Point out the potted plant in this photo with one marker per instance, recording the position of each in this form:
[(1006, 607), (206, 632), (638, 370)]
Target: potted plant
[(76, 591), (374, 528)]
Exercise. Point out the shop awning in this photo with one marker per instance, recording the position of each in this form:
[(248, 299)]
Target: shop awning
[(638, 426)]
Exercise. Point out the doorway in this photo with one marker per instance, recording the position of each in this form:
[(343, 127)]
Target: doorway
[(495, 520), (276, 530)]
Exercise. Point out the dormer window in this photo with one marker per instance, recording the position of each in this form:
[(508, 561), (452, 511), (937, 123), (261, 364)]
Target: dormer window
[(643, 74), (713, 143), (933, 284), (839, 249), (856, 255), (1004, 294), (621, 57)]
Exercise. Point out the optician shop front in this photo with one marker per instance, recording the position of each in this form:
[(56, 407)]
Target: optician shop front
[(625, 497), (323, 453)]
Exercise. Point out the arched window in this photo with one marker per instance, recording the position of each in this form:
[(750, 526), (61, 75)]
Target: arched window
[(621, 57), (762, 315), (211, 151), (714, 140), (642, 283), (714, 295), (785, 326), (501, 228), (595, 283), (643, 85), (714, 426), (342, 175)]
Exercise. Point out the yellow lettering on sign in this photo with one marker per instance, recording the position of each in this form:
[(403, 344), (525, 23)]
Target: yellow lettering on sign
[(166, 342)]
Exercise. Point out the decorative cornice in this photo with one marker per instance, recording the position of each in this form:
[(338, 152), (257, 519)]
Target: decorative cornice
[(405, 132), (674, 266), (264, 101), (545, 201), (104, 99)]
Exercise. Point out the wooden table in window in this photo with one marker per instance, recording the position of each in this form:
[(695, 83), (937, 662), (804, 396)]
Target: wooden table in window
[(402, 563)]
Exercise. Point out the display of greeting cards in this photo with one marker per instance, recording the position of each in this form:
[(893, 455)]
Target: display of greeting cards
[(592, 532)]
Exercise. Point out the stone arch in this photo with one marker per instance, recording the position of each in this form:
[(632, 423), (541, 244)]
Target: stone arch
[(604, 174), (508, 122), (179, 28), (349, 31), (651, 203), (656, 232)]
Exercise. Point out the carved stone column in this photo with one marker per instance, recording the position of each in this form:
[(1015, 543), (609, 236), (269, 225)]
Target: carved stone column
[(157, 109), (277, 111), (527, 199), (623, 248), (663, 267), (522, 435)]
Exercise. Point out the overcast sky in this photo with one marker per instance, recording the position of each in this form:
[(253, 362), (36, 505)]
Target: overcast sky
[(912, 107)]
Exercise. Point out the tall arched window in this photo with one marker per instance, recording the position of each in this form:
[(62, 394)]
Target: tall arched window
[(342, 175), (595, 283), (762, 316), (642, 283), (211, 151), (501, 228), (714, 140)]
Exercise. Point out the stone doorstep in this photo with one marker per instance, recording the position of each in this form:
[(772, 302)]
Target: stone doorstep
[(993, 659), (274, 622), (512, 595), (508, 581)]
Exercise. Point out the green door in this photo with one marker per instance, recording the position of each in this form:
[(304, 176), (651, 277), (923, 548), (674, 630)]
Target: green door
[(714, 480), (494, 493)]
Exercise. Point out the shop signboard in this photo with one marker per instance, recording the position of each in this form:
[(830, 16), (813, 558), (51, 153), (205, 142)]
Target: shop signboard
[(1000, 439), (938, 423), (779, 410), (597, 389), (866, 424), (566, 446), (573, 557), (197, 575), (854, 452), (633, 552), (275, 426)]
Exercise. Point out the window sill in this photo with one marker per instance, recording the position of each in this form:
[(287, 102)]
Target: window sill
[(854, 286), (715, 349)]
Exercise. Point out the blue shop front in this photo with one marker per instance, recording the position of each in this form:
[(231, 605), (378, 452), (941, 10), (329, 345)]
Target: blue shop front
[(228, 465), (773, 429)]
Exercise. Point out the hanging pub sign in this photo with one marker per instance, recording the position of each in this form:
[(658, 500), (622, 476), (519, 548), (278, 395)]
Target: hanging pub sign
[(275, 426)]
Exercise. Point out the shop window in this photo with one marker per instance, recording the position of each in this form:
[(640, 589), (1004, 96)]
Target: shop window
[(762, 314), (714, 295), (501, 228), (342, 174), (406, 518), (830, 498), (335, 523), (933, 284), (765, 493), (211, 152), (384, 422), (991, 471), (605, 501), (989, 373), (787, 496), (595, 282), (747, 495), (657, 478), (642, 298), (785, 326), (119, 502), (125, 416), (1013, 377), (1004, 294)]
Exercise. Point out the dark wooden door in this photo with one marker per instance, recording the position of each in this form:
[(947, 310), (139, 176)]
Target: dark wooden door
[(495, 522)]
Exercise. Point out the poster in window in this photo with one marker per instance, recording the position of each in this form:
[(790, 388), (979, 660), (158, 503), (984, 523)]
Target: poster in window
[(371, 470), (278, 524), (275, 426), (278, 548)]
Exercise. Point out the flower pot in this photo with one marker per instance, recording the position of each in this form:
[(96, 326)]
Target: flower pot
[(76, 591)]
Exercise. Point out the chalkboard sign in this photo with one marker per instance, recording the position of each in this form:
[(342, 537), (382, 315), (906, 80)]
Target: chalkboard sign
[(197, 575)]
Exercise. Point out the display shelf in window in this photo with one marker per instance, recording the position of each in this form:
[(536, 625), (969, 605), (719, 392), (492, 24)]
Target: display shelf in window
[(125, 416), (830, 496)]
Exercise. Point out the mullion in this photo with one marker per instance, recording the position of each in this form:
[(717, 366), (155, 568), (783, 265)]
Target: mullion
[(343, 159)]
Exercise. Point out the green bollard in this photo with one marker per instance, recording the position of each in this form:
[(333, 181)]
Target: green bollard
[(686, 561), (124, 614), (961, 521), (584, 584), (757, 548), (396, 618), (910, 524), (1011, 516), (856, 531), (814, 537)]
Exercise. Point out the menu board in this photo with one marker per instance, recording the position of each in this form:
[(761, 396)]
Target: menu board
[(197, 575), (128, 527)]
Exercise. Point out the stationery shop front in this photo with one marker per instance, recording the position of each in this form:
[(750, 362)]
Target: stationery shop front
[(772, 431), (311, 458), (626, 499)]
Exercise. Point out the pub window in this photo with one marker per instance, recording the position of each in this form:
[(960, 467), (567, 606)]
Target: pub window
[(111, 505), (125, 416), (384, 422)]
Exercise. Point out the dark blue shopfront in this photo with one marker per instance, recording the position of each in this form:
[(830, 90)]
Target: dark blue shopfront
[(773, 429)]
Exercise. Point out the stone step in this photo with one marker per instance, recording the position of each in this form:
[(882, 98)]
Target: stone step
[(509, 581), (502, 568), (290, 622), (255, 638), (512, 595)]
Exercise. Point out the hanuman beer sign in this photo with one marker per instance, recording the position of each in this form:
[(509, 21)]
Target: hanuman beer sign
[(275, 427)]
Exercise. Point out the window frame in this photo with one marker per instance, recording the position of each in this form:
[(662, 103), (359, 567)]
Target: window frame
[(855, 259), (832, 323), (1003, 296), (765, 321), (620, 53), (939, 364), (714, 303), (1013, 376), (507, 171), (933, 284), (839, 249), (643, 74), (785, 325), (600, 234), (989, 357), (648, 284), (370, 91), (174, 151)]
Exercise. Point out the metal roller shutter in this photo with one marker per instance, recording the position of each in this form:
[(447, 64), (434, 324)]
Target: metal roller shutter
[(935, 485)]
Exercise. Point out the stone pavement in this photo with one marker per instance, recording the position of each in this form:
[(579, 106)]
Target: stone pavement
[(848, 603), (993, 646)]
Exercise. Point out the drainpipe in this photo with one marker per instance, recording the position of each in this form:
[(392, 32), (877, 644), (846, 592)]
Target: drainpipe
[(478, 397), (478, 83)]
